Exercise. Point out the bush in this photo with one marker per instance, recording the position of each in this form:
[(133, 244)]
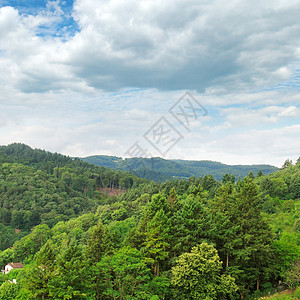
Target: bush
[(297, 292)]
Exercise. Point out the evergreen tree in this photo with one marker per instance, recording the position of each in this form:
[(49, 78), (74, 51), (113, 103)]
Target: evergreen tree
[(41, 272), (95, 246), (9, 291), (250, 248), (190, 225), (70, 280), (156, 245)]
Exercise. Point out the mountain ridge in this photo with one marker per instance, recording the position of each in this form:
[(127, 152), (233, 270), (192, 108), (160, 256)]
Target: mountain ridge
[(159, 169)]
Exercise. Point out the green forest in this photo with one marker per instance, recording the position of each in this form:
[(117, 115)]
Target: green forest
[(159, 169), (89, 232)]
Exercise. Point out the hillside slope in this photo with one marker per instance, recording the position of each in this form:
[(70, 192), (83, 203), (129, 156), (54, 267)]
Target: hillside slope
[(37, 187), (248, 231), (159, 169)]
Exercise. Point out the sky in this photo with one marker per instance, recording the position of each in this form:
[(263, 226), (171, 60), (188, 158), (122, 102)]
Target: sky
[(180, 79)]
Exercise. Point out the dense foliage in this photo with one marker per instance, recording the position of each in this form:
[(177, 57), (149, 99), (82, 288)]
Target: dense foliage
[(181, 239), (158, 169), (38, 187)]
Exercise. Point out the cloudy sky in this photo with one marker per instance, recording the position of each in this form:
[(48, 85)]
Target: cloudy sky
[(98, 77)]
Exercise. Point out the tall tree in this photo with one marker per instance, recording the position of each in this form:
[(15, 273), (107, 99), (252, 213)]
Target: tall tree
[(250, 248), (41, 272), (190, 225), (156, 245), (70, 280), (125, 275), (95, 245), (197, 275)]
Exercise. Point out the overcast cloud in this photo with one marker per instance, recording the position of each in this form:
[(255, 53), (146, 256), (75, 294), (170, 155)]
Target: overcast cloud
[(91, 77)]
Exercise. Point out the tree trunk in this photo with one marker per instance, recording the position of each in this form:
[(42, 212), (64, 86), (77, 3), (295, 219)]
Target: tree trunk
[(227, 260), (156, 269), (257, 283), (97, 294)]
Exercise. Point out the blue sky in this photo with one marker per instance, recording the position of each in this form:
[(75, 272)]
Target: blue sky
[(92, 77), (64, 23)]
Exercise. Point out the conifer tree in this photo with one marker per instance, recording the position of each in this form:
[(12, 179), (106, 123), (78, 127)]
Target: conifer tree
[(70, 280), (250, 249), (39, 275)]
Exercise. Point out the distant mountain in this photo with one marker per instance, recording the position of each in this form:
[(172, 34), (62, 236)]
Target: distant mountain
[(159, 169)]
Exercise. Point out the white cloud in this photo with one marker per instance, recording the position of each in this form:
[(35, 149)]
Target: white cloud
[(169, 45), (283, 73), (291, 111), (231, 55), (272, 146), (190, 44), (244, 116)]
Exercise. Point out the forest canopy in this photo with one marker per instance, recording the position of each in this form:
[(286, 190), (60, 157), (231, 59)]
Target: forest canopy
[(88, 232)]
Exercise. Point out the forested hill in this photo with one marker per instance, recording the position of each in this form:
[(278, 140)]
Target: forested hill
[(37, 187), (63, 167), (182, 239), (159, 169)]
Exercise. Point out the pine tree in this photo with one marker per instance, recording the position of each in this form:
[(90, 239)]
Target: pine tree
[(95, 245), (190, 225), (156, 245), (250, 248), (70, 280), (39, 275)]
